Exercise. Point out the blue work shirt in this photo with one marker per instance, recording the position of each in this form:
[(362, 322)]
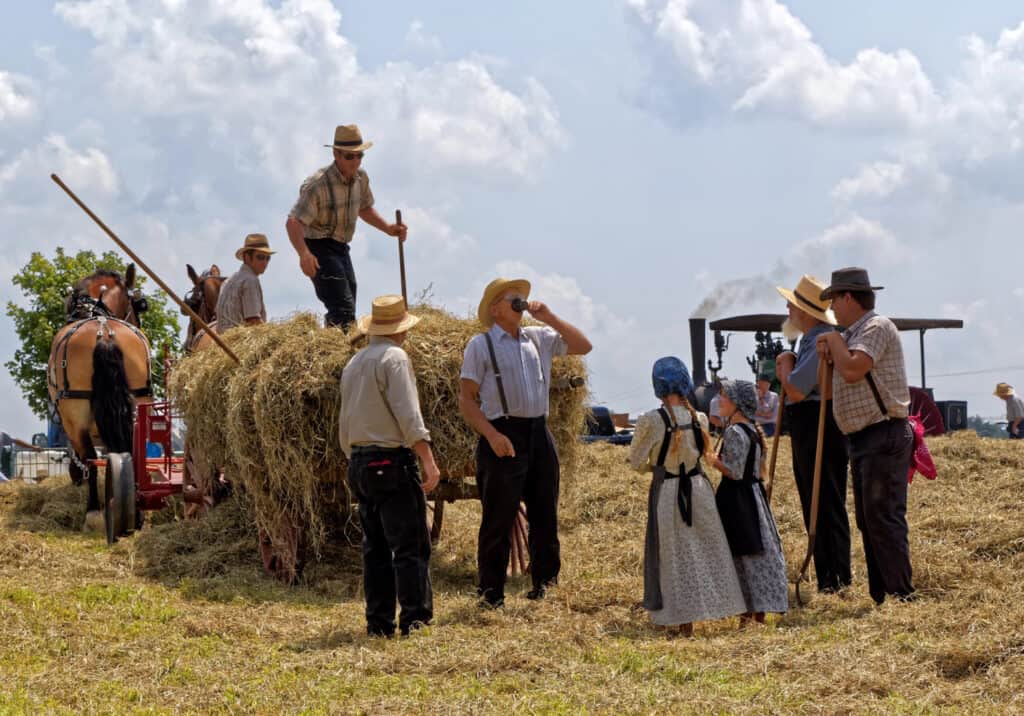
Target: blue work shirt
[(805, 373)]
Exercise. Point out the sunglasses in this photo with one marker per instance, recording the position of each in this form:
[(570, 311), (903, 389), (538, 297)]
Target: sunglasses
[(262, 257), (350, 156)]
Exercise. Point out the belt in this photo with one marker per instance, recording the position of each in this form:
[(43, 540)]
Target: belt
[(519, 421), (378, 449)]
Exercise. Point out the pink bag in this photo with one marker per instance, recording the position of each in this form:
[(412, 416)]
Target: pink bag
[(920, 459)]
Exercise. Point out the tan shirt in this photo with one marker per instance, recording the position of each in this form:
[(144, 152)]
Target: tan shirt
[(379, 404), (329, 204), (853, 404), (241, 297)]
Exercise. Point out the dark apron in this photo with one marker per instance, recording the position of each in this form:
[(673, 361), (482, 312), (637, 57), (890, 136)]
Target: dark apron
[(737, 505)]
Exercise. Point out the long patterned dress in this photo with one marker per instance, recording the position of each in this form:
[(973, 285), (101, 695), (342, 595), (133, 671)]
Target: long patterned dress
[(762, 576), (696, 574)]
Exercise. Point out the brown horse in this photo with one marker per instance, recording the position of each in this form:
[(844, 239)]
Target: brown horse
[(204, 485), (202, 298), (98, 369)]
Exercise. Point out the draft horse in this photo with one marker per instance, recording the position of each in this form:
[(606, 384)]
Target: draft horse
[(204, 486), (99, 367), (202, 298)]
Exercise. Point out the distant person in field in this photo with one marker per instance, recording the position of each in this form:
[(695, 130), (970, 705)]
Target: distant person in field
[(743, 507), (767, 404), (798, 374), (689, 574), (1014, 410), (870, 401), (323, 221), (503, 395), (382, 433), (240, 302)]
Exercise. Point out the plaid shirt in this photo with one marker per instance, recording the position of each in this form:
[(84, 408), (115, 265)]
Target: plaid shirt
[(853, 404), (329, 204)]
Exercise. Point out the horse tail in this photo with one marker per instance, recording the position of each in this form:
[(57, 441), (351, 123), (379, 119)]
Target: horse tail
[(111, 400)]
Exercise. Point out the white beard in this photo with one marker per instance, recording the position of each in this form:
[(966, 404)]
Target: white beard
[(790, 331)]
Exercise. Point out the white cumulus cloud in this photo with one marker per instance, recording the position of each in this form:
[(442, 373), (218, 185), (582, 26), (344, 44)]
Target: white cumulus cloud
[(757, 56), (266, 75), (16, 97)]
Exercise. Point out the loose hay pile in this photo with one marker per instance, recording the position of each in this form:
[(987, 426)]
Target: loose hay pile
[(272, 422)]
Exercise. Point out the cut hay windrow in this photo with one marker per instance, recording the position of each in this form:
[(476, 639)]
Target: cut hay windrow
[(272, 422)]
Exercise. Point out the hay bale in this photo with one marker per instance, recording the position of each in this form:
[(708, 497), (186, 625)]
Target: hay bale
[(272, 422)]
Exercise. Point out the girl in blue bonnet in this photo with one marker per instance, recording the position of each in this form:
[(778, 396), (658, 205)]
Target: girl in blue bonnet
[(688, 569), (746, 516)]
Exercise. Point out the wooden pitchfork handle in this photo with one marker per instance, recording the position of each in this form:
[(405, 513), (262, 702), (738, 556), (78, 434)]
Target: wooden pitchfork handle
[(142, 264), (401, 257), (775, 448), (824, 385)]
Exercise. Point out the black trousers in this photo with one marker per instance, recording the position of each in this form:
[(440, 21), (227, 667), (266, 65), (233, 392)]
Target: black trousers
[(880, 458), (335, 281), (832, 543), (531, 476), (396, 542)]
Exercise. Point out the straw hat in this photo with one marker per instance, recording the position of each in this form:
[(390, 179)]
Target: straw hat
[(387, 317), (255, 242), (347, 138), (807, 297), (494, 290), (1003, 390)]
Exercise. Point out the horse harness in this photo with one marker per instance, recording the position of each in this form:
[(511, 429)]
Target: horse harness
[(104, 320)]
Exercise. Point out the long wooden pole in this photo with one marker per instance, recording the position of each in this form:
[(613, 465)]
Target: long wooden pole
[(142, 264), (775, 448), (824, 385), (401, 257)]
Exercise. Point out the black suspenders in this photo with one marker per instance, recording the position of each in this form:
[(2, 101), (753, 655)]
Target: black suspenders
[(497, 374)]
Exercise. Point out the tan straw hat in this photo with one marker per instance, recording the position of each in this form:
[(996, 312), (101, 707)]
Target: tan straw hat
[(1003, 390), (347, 138), (807, 297), (493, 292), (387, 317), (255, 242)]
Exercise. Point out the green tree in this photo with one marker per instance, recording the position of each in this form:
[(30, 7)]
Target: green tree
[(46, 284)]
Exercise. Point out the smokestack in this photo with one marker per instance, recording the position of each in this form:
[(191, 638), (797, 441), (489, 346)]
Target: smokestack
[(698, 333)]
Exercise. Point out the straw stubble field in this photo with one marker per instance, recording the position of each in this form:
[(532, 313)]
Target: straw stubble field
[(180, 619)]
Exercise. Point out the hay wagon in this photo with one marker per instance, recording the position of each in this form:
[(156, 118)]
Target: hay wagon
[(141, 481), (270, 422)]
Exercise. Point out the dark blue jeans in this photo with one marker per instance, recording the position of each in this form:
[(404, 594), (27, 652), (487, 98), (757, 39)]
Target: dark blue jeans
[(335, 281), (396, 542), (879, 459)]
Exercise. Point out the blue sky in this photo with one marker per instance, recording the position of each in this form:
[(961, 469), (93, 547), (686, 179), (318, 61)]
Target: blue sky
[(632, 157)]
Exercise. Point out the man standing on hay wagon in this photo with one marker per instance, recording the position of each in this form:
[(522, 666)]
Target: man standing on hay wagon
[(871, 402), (1014, 410), (323, 220), (382, 432), (240, 302), (798, 374), (503, 395)]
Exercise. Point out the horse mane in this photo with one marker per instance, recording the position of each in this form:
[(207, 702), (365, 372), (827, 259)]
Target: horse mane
[(75, 307)]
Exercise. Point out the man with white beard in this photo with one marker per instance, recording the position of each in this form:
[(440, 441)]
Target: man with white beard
[(798, 374)]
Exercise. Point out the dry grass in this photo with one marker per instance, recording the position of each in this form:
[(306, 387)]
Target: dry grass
[(179, 618), (271, 422)]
